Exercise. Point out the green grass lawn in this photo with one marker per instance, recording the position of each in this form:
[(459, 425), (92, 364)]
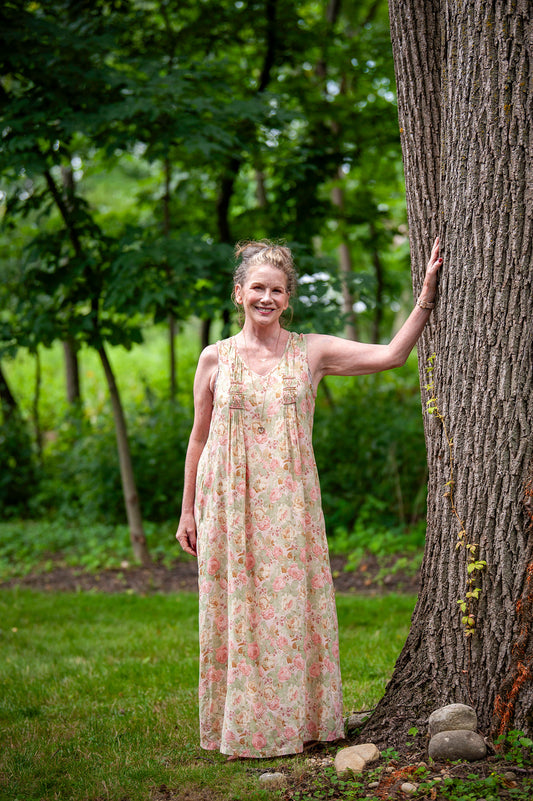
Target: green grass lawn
[(99, 701)]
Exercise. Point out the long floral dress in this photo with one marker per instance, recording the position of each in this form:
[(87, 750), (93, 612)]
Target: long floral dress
[(269, 655)]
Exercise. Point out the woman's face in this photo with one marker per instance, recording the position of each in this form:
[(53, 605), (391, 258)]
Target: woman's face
[(263, 295)]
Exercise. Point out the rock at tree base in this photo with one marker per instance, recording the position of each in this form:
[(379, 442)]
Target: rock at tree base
[(452, 717), (355, 758), (458, 744), (356, 720)]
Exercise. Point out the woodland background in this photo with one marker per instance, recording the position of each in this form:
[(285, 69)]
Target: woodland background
[(140, 141)]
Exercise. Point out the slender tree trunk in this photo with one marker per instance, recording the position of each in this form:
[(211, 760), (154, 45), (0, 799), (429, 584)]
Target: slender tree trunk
[(72, 372), (260, 189), (70, 350), (131, 498), (129, 488), (172, 356), (171, 319), (379, 273), (206, 330), (35, 408), (8, 403), (346, 267), (464, 89)]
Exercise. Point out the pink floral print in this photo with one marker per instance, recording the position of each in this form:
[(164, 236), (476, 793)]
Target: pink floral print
[(269, 656)]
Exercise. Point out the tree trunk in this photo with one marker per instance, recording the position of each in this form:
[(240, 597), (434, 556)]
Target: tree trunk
[(171, 319), (379, 273), (129, 488), (345, 265), (72, 371), (464, 88), (205, 333), (70, 350), (172, 356), (8, 404), (35, 408)]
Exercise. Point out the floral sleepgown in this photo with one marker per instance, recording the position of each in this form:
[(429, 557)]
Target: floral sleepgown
[(269, 655)]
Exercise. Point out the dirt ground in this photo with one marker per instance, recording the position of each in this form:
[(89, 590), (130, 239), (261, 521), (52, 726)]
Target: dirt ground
[(370, 578)]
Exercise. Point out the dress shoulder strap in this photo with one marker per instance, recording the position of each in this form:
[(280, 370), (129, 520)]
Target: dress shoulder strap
[(298, 348), (224, 347), (228, 358)]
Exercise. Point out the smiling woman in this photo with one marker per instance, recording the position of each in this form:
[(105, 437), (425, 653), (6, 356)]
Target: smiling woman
[(269, 655)]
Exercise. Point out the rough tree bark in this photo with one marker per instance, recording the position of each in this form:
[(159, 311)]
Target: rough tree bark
[(464, 75)]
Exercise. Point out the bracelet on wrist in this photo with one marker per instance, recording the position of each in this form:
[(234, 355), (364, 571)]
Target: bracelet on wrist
[(425, 304)]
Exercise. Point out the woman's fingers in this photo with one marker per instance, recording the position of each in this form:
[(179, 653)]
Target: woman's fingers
[(187, 540)]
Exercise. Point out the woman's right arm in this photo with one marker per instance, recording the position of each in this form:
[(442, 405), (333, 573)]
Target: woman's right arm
[(203, 409)]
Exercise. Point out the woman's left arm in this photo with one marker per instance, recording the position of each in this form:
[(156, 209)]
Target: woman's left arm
[(330, 355)]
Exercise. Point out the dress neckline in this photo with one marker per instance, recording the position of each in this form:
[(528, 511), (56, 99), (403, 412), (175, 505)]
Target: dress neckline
[(275, 367)]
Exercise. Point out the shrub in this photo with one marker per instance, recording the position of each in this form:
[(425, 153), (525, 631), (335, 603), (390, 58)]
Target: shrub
[(82, 476), (370, 452), (18, 475)]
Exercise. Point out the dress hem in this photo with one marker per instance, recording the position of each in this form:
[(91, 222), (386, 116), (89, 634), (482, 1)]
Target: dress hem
[(288, 751)]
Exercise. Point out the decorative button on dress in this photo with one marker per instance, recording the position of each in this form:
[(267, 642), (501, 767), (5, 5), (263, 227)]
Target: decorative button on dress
[(269, 655)]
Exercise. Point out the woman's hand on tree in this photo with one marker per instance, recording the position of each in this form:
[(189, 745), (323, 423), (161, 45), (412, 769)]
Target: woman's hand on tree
[(430, 279)]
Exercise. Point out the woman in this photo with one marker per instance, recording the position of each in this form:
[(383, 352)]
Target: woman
[(269, 668)]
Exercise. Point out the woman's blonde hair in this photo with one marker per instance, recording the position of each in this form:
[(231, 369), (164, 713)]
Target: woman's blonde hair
[(251, 254)]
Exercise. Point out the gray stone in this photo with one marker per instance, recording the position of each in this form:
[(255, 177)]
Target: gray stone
[(355, 720), (272, 779), (355, 758), (409, 788), (458, 744), (452, 718)]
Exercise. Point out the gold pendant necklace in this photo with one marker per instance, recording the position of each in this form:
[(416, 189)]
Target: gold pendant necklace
[(261, 428)]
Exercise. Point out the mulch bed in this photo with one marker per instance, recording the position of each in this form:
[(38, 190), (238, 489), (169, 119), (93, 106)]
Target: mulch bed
[(369, 578)]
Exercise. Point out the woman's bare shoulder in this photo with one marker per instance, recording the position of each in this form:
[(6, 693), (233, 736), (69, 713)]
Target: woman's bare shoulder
[(209, 356), (206, 368)]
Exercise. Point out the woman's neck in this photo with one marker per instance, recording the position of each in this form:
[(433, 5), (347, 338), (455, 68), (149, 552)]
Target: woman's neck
[(262, 336), (262, 349)]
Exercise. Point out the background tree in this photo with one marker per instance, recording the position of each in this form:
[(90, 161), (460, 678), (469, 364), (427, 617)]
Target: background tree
[(64, 276), (464, 93)]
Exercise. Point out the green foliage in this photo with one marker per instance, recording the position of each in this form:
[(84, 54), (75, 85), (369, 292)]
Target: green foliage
[(18, 468), (516, 747), (369, 447), (139, 141), (328, 785), (28, 546), (82, 478), (152, 146)]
